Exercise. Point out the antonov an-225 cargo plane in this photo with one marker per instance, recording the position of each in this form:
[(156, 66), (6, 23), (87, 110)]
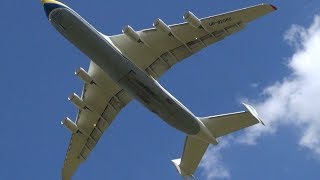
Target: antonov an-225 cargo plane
[(125, 67)]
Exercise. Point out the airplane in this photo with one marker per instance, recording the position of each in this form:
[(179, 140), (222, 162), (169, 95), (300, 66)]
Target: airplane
[(126, 66)]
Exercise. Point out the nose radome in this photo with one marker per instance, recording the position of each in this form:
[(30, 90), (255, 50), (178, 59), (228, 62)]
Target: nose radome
[(49, 1), (50, 5)]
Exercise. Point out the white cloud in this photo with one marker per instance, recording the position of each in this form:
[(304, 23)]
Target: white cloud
[(293, 101), (212, 162)]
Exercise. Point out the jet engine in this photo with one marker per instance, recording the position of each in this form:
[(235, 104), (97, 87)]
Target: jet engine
[(160, 25), (69, 124), (77, 101), (83, 75), (132, 34), (192, 19)]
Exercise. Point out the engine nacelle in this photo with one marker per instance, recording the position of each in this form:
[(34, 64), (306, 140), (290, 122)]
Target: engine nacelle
[(84, 76), (132, 34), (160, 25), (77, 101), (69, 124), (192, 19)]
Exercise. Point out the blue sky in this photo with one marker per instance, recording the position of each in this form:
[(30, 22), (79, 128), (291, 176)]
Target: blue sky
[(257, 65)]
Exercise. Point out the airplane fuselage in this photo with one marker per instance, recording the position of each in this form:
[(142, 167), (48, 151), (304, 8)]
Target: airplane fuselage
[(130, 77)]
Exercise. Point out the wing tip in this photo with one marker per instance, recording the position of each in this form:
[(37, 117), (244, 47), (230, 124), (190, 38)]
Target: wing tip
[(253, 112), (273, 6), (176, 163)]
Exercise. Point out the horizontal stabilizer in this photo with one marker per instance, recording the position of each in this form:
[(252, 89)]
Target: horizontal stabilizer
[(220, 125), (193, 151)]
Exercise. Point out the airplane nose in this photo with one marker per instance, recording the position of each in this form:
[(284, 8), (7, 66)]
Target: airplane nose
[(50, 5)]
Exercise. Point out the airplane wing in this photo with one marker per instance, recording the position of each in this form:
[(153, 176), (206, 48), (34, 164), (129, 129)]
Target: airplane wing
[(102, 101), (157, 49)]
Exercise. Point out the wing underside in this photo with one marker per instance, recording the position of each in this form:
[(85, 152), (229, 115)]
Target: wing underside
[(157, 50), (103, 100)]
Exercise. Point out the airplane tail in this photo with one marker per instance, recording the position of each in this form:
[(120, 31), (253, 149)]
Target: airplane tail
[(218, 125)]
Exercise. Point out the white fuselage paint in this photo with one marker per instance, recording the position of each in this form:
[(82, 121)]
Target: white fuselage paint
[(128, 76)]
